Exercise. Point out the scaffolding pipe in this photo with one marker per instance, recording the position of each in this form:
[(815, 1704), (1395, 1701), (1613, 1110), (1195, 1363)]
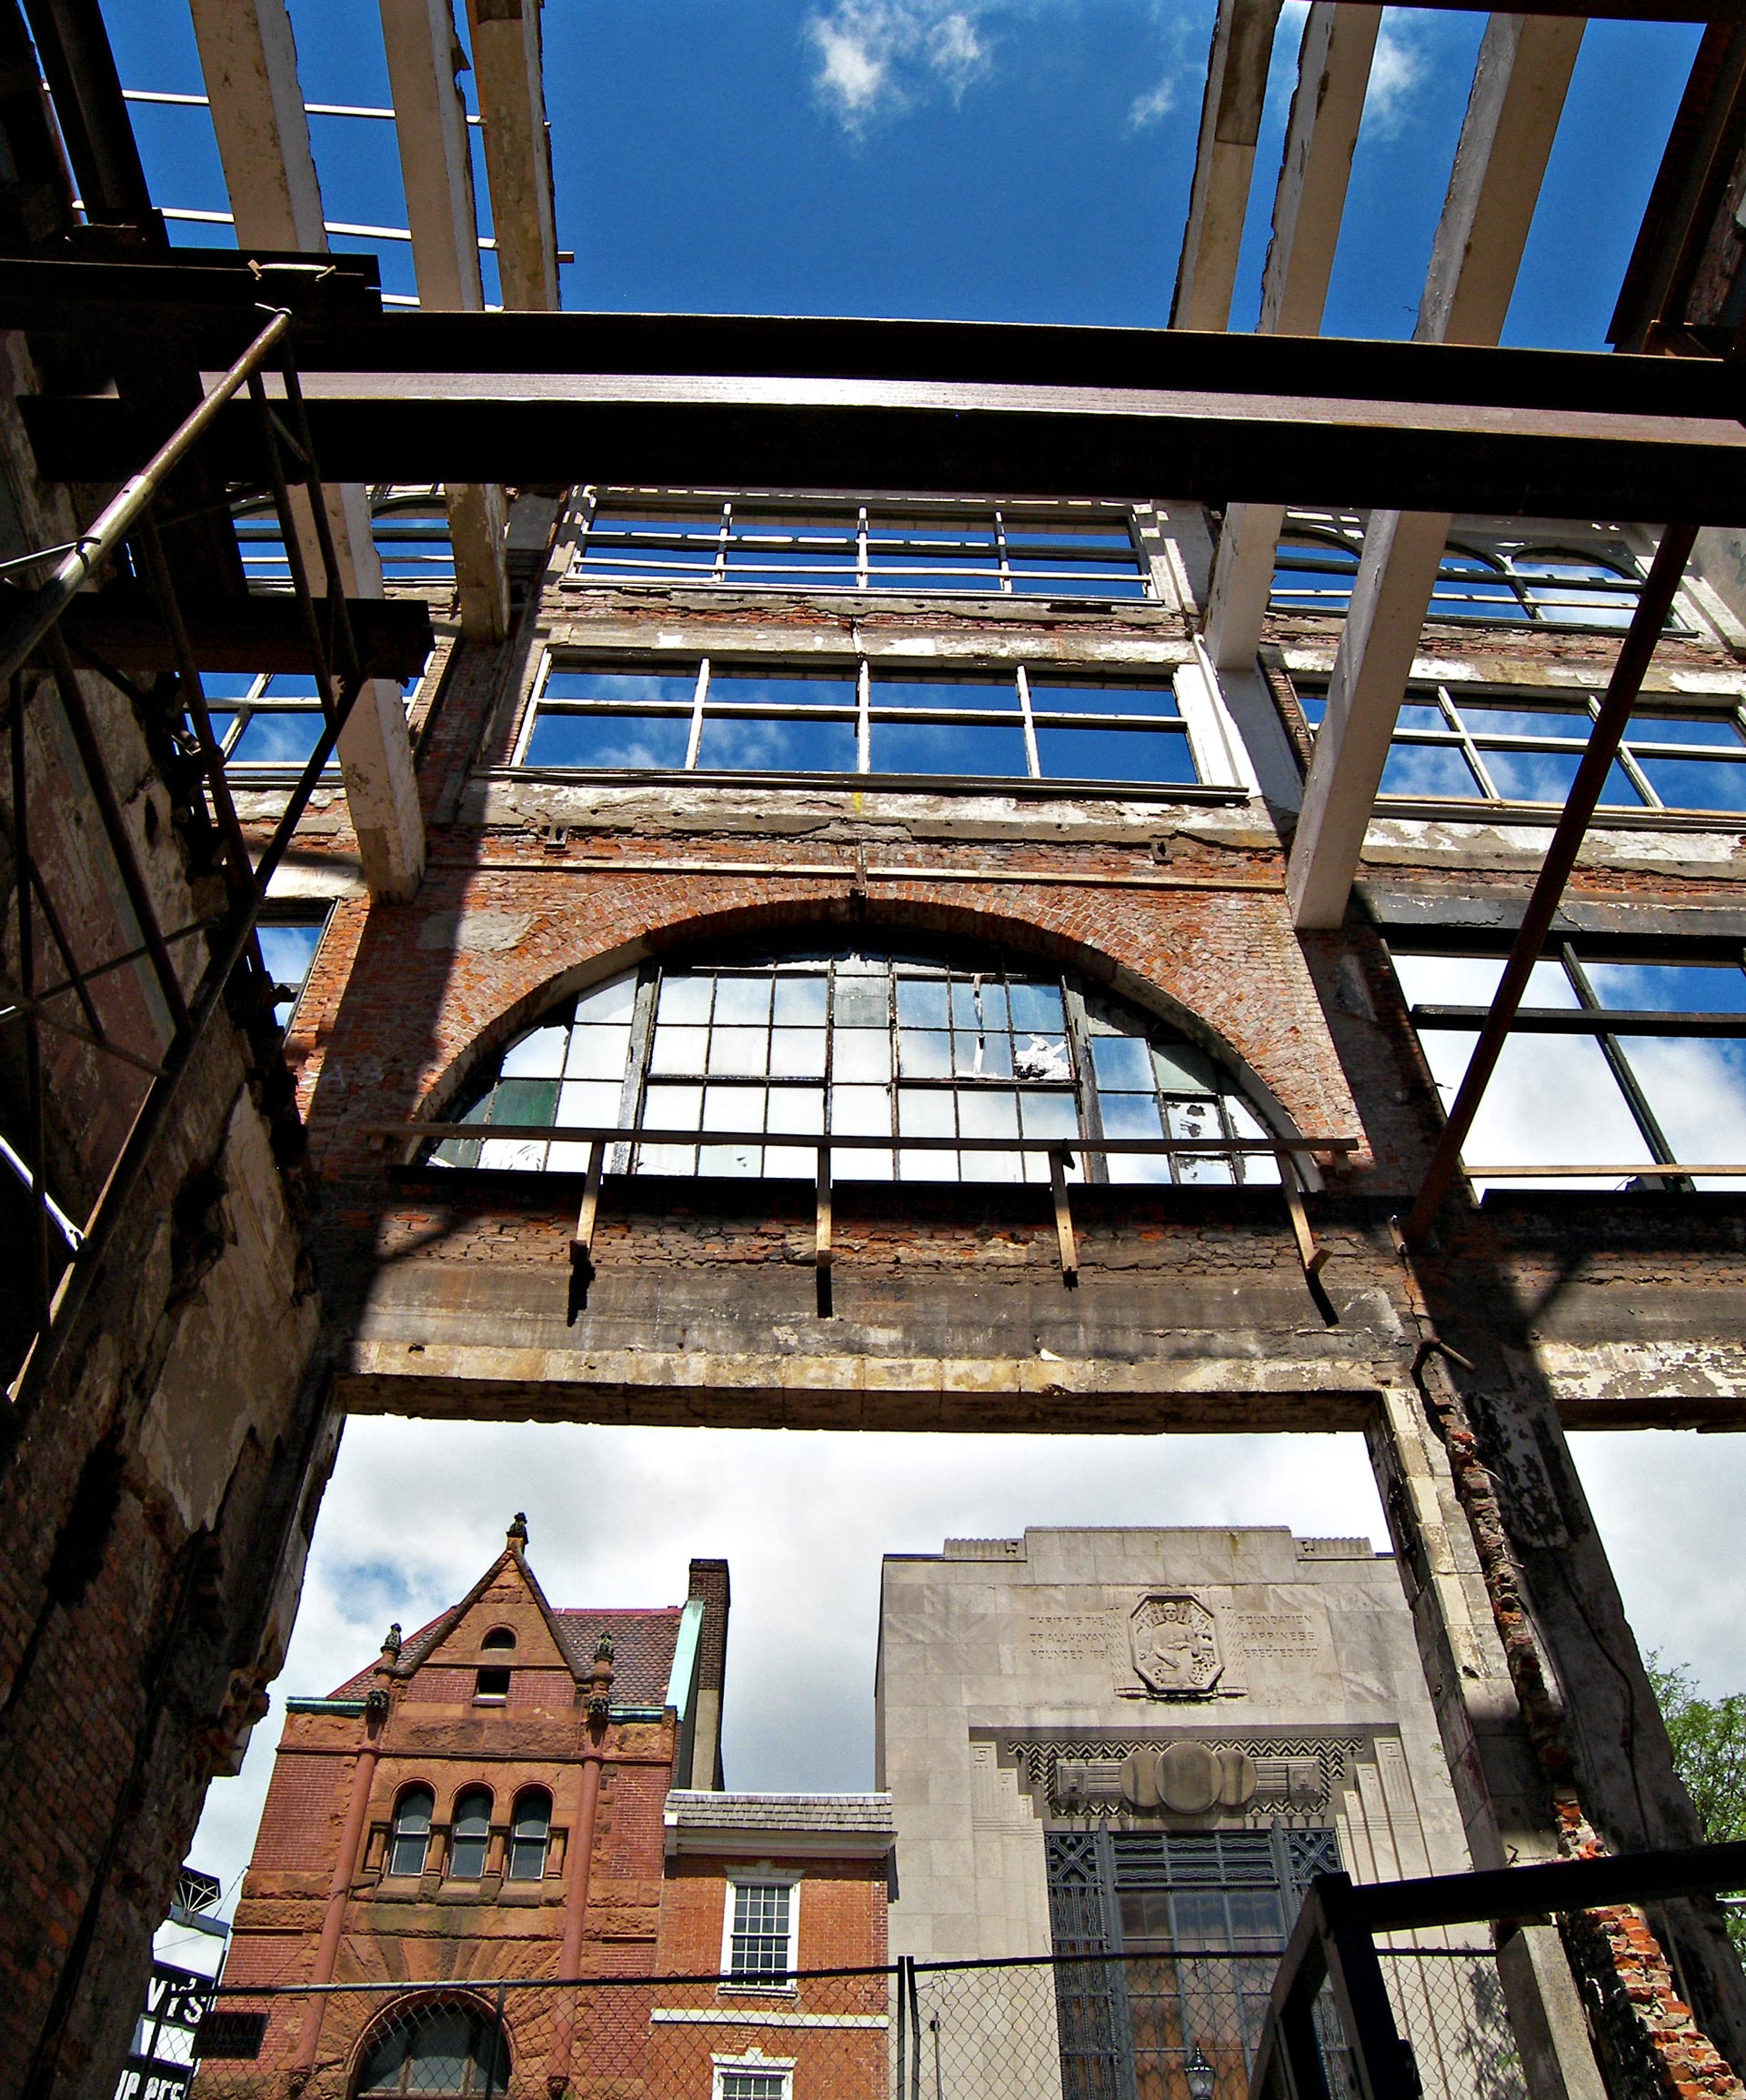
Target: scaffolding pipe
[(22, 631)]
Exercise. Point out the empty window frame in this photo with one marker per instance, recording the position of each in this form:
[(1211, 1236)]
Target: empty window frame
[(410, 528), (871, 1045), (289, 940), (1617, 1056), (1453, 743), (408, 525), (1056, 550), (761, 1933), (720, 716), (1482, 579), (266, 726)]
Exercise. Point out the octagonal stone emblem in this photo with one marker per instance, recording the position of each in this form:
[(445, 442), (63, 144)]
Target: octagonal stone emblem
[(1175, 1643)]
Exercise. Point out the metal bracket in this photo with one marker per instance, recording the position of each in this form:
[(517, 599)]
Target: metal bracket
[(821, 1234), (1311, 1256), (582, 1241), (1059, 1163)]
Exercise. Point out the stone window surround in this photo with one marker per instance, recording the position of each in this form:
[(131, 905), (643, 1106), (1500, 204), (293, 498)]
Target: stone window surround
[(762, 1875), (494, 1884)]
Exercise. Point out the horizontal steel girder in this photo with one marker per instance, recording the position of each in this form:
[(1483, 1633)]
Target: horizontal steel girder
[(921, 437)]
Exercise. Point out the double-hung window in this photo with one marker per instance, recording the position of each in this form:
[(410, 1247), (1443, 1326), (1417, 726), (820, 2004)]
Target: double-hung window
[(761, 1934), (1086, 550), (1510, 744), (1033, 721)]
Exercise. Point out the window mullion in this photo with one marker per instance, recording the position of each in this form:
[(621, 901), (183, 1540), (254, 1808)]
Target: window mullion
[(1079, 1036), (1636, 1101), (1002, 553), (723, 532), (863, 564), (863, 724), (1031, 760), (694, 739)]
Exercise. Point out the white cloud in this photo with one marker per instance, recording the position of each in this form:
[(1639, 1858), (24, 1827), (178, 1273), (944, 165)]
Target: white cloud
[(1397, 71), (416, 1510), (1157, 103)]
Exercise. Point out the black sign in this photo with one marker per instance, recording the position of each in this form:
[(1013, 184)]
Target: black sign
[(161, 2065)]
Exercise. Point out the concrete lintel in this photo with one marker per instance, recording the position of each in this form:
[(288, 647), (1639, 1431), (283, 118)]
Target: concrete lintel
[(437, 169), (1401, 551), (1231, 122), (1333, 75), (250, 58), (508, 69), (1518, 87)]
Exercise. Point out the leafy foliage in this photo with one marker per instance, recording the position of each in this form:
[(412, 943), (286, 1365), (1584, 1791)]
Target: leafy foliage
[(1709, 1740)]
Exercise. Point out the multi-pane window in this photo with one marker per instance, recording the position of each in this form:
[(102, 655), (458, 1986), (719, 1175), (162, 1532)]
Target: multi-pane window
[(1492, 581), (1057, 550), (469, 1836), (409, 527), (409, 1839), (752, 2085), (1184, 1909), (264, 724), (1456, 743), (530, 1834), (1034, 722), (861, 1044), (760, 1932), (1614, 1057)]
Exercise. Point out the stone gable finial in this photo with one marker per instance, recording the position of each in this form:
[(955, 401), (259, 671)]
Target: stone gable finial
[(517, 1532), (391, 1642)]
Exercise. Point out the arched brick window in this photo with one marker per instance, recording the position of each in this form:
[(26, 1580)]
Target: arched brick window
[(469, 1834), (865, 1042), (410, 1839), (530, 1834), (435, 2046)]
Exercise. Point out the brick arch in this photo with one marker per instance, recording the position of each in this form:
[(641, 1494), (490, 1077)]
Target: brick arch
[(417, 2001), (554, 964)]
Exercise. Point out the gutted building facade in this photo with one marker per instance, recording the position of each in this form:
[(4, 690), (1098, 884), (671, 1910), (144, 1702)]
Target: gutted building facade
[(957, 910)]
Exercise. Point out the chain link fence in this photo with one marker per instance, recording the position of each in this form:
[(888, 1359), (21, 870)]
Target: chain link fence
[(1161, 2026)]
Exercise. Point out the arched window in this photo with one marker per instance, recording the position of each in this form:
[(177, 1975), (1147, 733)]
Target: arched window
[(410, 528), (469, 1834), (1566, 589), (1313, 572), (410, 1840), (498, 1637), (866, 1043), (530, 1834), (435, 2046)]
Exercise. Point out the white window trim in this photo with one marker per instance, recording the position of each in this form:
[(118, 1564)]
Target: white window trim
[(760, 1877), (753, 2060)]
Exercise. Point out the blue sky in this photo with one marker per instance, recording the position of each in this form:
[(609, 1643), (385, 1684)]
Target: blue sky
[(992, 159)]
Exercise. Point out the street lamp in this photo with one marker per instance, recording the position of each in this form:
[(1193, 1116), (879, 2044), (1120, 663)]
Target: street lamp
[(1201, 2076)]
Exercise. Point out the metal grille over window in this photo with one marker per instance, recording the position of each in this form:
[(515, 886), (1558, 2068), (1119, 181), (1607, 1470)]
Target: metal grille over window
[(1485, 579), (1057, 550), (717, 715), (759, 1943), (866, 1045), (1454, 745)]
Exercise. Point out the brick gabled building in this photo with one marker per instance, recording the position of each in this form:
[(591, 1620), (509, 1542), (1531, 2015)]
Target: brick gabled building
[(485, 1801)]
